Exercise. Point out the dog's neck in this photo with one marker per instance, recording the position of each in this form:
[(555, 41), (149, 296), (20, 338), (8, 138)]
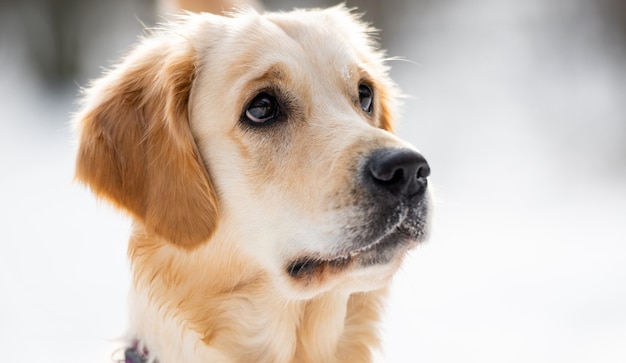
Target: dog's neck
[(185, 311)]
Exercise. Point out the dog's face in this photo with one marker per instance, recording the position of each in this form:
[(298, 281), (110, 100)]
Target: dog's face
[(290, 142), (287, 124)]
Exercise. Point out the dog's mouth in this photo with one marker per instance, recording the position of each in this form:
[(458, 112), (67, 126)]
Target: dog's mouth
[(372, 244), (382, 251), (310, 265)]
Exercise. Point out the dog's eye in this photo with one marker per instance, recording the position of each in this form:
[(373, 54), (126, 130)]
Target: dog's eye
[(262, 108), (366, 97)]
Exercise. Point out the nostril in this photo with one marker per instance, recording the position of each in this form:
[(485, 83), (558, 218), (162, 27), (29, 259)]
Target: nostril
[(423, 171), (396, 176)]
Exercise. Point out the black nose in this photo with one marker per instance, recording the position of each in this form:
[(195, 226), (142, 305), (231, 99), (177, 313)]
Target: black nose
[(402, 172)]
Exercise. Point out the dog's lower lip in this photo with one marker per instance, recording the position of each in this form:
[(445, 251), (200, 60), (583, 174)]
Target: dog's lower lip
[(306, 265)]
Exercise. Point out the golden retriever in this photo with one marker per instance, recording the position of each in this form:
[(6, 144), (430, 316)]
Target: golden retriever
[(271, 202)]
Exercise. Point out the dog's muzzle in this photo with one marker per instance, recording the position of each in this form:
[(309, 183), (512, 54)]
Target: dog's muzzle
[(392, 198), (394, 184)]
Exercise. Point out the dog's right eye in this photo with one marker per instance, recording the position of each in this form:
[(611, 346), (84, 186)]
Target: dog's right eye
[(366, 97), (263, 108)]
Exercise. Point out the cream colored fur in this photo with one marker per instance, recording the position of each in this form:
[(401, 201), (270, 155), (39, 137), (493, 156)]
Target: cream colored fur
[(222, 207)]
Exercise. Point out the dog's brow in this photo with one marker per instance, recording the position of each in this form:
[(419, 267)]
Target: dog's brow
[(364, 75), (275, 73)]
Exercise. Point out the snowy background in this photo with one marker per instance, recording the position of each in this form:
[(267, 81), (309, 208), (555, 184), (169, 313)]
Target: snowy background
[(519, 106)]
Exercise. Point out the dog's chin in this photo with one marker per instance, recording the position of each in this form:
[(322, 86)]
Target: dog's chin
[(368, 257), (388, 249)]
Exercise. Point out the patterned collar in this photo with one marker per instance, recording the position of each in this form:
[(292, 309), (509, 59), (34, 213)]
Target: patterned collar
[(135, 355)]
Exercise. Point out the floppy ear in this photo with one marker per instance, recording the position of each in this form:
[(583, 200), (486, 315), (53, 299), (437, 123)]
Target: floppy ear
[(136, 148)]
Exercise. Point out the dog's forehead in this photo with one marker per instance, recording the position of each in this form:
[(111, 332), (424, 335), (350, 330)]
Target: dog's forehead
[(330, 40), (318, 36)]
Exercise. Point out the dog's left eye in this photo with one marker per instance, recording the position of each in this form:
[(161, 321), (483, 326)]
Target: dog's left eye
[(262, 108), (366, 97)]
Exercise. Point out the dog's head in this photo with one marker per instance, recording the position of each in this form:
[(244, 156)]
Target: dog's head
[(272, 131)]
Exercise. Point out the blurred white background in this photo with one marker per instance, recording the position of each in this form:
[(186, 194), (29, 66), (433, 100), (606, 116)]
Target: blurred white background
[(519, 106)]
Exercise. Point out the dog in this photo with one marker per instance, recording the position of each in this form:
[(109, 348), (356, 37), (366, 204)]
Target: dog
[(271, 201)]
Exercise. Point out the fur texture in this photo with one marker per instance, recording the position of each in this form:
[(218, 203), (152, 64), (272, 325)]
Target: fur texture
[(252, 242)]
